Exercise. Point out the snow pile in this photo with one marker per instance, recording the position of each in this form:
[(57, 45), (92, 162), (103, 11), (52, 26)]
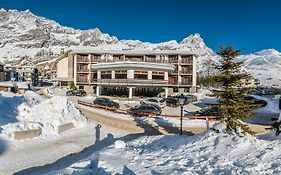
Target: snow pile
[(35, 112), (206, 153), (119, 144)]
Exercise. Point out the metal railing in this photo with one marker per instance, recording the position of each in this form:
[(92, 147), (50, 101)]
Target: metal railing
[(130, 81)]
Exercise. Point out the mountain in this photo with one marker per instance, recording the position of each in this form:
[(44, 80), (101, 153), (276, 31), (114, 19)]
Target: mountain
[(27, 39), (264, 65)]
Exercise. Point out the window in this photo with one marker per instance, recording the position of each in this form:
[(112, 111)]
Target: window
[(81, 87), (152, 100)]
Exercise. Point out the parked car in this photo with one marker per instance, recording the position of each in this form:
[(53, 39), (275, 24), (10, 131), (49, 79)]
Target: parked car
[(106, 102), (188, 98), (260, 102), (79, 93), (209, 111), (171, 101), (146, 109), (154, 101)]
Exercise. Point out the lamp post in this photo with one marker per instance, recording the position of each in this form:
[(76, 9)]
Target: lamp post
[(181, 102)]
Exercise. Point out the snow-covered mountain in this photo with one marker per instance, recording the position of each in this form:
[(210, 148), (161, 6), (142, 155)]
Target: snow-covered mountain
[(26, 39), (25, 35), (264, 65)]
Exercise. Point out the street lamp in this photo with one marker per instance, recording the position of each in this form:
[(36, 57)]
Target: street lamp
[(181, 102)]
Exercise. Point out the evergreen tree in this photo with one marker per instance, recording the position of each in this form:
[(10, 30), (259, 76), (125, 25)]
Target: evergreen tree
[(234, 108)]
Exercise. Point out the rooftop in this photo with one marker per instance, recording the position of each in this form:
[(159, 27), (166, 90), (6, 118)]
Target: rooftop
[(133, 52)]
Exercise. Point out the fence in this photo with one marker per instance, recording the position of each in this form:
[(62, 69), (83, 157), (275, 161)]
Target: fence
[(126, 111)]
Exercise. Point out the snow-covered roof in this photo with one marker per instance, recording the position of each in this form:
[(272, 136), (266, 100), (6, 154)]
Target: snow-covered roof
[(133, 52)]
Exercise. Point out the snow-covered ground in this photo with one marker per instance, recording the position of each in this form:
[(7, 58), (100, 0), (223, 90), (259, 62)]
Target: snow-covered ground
[(23, 112), (205, 153), (31, 111)]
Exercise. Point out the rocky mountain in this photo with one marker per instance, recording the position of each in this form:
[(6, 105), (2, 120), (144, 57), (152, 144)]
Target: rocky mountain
[(27, 39)]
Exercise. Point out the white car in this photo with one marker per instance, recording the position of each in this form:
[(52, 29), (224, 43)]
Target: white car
[(154, 101)]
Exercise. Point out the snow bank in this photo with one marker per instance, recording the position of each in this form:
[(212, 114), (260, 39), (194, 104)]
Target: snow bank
[(206, 153), (36, 112)]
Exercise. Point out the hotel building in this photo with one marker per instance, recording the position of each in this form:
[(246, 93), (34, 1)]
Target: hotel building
[(128, 72)]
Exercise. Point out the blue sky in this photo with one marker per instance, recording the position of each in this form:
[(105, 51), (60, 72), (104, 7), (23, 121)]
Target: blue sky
[(249, 24)]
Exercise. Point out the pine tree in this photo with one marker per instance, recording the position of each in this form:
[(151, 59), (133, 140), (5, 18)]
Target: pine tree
[(234, 108)]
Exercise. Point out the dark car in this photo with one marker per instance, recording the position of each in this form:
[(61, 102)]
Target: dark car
[(79, 93), (146, 109), (261, 103), (188, 98), (171, 101), (106, 102), (209, 111)]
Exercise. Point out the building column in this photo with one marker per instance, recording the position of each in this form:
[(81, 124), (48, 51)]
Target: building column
[(166, 92), (194, 75), (149, 75), (166, 76), (130, 74), (75, 70), (98, 74), (113, 74), (98, 91), (130, 92)]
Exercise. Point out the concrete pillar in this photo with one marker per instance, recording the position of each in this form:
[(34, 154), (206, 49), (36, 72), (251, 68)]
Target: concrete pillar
[(194, 76), (113, 74), (75, 70), (130, 74), (130, 92), (166, 92), (166, 76), (98, 91), (149, 75), (98, 74)]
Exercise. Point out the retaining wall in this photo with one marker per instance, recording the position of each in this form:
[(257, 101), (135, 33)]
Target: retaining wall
[(28, 134)]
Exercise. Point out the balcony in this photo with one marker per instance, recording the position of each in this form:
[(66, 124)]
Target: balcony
[(83, 70), (140, 82), (189, 72), (82, 80), (82, 60), (173, 82), (186, 83), (186, 60)]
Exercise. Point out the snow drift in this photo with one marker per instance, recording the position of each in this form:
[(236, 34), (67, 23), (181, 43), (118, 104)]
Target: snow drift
[(206, 153), (31, 111)]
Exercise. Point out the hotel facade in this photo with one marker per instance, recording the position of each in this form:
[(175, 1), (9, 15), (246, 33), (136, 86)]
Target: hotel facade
[(128, 72)]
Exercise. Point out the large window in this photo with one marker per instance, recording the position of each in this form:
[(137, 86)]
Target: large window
[(120, 74), (186, 80), (150, 58), (106, 74), (187, 59), (82, 58), (95, 58), (158, 75), (186, 69), (82, 78), (173, 58), (140, 74)]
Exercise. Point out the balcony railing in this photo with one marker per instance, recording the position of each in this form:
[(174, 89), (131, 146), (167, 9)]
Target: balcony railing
[(82, 60), (186, 82), (83, 70), (82, 80), (130, 81), (173, 82), (173, 61), (186, 72)]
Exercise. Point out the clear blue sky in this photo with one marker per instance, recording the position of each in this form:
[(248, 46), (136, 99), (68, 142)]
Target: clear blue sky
[(249, 24)]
